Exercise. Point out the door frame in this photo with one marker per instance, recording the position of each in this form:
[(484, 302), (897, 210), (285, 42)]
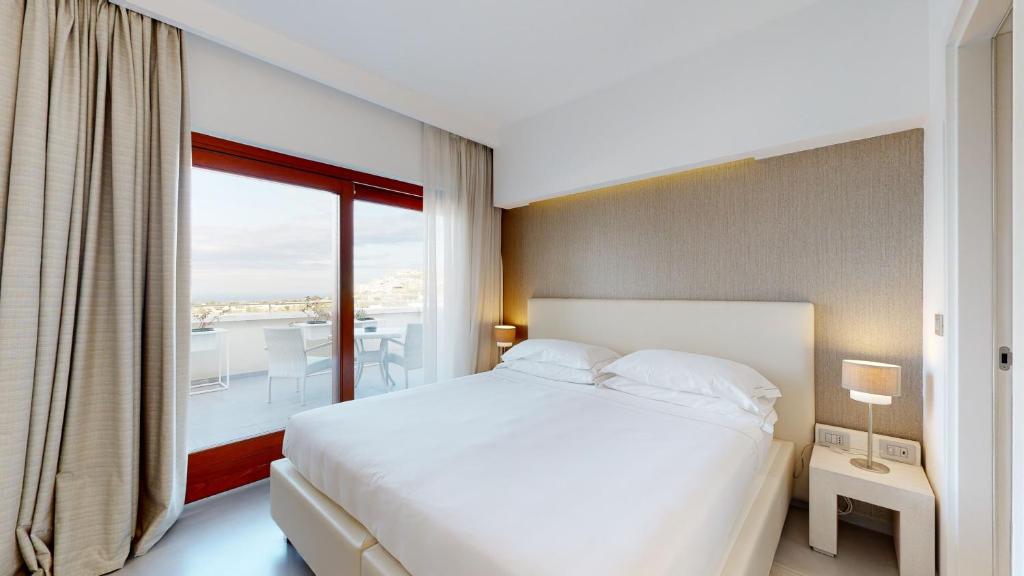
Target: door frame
[(1003, 305), (1017, 379), (968, 495), (232, 465)]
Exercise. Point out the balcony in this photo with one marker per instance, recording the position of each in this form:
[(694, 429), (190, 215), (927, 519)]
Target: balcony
[(229, 374)]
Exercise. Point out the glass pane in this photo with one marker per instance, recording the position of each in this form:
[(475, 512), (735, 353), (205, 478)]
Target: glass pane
[(264, 286), (388, 278)]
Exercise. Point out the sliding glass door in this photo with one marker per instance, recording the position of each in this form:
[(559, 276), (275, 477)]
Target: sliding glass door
[(278, 325), (265, 277), (388, 276)]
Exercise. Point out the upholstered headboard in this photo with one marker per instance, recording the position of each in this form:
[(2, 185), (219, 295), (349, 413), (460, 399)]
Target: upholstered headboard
[(774, 338)]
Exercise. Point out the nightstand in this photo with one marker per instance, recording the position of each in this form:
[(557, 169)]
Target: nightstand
[(905, 490)]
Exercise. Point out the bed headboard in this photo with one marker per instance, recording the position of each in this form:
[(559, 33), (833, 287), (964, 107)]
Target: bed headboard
[(774, 338)]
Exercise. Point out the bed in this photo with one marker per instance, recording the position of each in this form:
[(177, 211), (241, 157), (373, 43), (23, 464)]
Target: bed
[(507, 473)]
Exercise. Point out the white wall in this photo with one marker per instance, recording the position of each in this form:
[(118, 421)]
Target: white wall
[(240, 98), (208, 19), (832, 72)]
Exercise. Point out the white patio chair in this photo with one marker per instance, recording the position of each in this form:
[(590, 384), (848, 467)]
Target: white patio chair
[(288, 357), (411, 357), (365, 356)]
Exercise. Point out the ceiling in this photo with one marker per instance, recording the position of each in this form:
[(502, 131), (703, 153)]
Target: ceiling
[(505, 60)]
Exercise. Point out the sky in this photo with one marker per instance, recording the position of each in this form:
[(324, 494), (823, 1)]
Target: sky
[(258, 240)]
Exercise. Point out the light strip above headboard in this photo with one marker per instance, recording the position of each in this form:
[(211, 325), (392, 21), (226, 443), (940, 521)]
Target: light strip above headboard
[(774, 338)]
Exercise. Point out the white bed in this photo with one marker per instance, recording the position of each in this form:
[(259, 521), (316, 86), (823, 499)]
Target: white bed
[(505, 473)]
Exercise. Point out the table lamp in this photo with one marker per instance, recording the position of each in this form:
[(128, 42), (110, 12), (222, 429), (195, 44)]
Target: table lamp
[(871, 383), (504, 336)]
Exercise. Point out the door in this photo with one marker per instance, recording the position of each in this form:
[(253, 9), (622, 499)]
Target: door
[(388, 251), (273, 330), (1002, 55), (265, 278)]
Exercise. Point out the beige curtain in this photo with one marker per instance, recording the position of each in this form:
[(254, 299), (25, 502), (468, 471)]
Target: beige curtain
[(94, 164), (462, 280)]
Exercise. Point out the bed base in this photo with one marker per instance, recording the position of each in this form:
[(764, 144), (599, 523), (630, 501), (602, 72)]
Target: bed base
[(333, 543), (753, 550)]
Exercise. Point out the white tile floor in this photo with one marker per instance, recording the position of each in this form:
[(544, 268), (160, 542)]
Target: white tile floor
[(233, 534), (242, 411), (228, 534)]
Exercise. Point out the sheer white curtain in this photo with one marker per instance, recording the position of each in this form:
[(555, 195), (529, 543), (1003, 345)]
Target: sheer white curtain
[(463, 256)]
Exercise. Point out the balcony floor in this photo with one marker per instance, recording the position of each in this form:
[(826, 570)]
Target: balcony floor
[(242, 411)]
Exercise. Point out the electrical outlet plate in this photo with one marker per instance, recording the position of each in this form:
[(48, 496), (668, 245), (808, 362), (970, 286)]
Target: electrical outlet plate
[(856, 441), (896, 450), (833, 437)]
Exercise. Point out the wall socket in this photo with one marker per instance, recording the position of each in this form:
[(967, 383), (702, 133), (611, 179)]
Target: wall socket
[(898, 451), (832, 437), (887, 447)]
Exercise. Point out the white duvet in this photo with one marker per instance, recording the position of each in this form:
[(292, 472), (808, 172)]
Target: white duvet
[(506, 473)]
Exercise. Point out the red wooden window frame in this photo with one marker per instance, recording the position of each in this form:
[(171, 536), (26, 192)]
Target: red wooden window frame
[(232, 465)]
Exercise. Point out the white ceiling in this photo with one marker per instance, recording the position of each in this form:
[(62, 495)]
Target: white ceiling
[(500, 61)]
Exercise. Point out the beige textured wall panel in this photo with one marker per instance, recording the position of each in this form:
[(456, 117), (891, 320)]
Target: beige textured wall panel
[(840, 227)]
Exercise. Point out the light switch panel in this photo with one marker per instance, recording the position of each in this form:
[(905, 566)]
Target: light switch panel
[(898, 451), (940, 325)]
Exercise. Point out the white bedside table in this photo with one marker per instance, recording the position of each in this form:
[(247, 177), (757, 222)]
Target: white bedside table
[(905, 490)]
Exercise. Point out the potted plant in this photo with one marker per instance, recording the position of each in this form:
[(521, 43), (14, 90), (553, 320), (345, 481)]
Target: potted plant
[(205, 317), (317, 310), (203, 336), (365, 320)]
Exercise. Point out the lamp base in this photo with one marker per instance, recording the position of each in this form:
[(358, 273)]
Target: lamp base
[(863, 464)]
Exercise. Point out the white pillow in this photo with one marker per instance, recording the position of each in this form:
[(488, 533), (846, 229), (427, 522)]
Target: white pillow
[(562, 352), (553, 371), (697, 374), (766, 413)]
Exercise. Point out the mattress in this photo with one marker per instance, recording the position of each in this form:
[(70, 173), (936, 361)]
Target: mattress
[(505, 473)]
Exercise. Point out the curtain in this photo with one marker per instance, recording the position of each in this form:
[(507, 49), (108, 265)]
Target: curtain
[(94, 164), (462, 279)]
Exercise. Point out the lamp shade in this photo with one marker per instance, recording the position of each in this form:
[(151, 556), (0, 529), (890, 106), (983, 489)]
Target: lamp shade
[(504, 335), (871, 382)]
